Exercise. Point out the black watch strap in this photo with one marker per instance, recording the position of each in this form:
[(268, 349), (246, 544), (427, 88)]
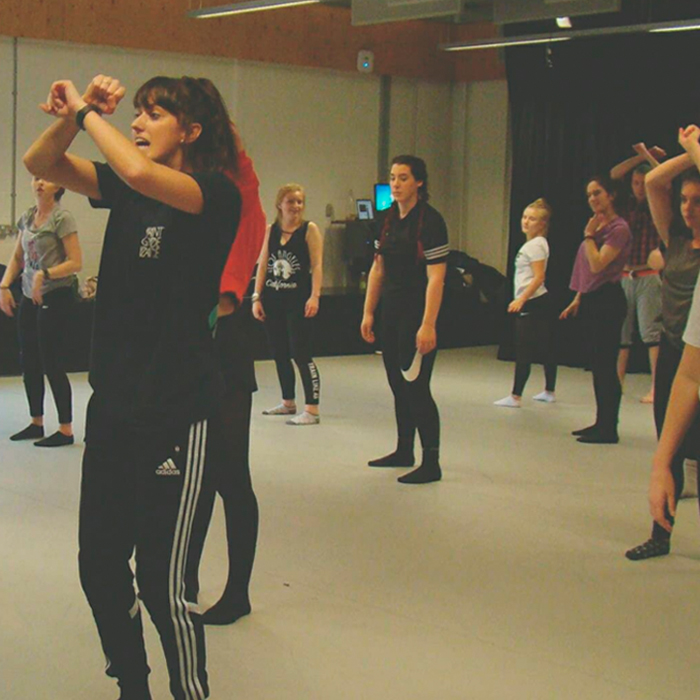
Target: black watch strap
[(82, 113)]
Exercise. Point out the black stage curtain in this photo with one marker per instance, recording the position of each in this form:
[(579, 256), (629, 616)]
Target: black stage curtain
[(576, 109)]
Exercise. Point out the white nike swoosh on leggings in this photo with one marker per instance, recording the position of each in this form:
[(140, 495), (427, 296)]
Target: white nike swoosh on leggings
[(411, 374)]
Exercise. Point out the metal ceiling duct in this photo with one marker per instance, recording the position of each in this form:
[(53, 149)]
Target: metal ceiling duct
[(380, 11), (513, 11)]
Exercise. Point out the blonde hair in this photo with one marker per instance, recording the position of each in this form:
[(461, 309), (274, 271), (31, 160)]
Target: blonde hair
[(543, 205), (283, 192)]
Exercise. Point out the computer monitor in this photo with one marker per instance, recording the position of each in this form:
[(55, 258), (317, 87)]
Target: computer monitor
[(382, 196), (365, 211)]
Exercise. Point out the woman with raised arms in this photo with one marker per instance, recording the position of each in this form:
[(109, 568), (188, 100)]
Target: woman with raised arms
[(152, 419)]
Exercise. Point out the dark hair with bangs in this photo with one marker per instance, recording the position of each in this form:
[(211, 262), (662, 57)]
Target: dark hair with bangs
[(195, 101)]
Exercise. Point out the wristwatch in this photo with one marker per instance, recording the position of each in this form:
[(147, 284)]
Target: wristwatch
[(45, 270), (255, 296), (82, 113)]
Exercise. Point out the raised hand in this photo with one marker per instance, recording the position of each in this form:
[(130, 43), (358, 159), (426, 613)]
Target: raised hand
[(105, 93), (63, 100), (658, 153), (688, 137)]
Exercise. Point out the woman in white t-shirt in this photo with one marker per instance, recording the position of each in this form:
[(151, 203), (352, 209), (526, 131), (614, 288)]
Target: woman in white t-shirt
[(531, 303)]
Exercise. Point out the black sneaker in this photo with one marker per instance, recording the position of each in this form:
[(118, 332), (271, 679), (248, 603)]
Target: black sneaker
[(31, 432), (58, 439)]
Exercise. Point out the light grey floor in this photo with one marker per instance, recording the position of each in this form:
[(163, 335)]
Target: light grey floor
[(504, 581)]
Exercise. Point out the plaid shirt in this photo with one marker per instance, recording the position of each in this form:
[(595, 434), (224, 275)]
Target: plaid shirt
[(644, 235)]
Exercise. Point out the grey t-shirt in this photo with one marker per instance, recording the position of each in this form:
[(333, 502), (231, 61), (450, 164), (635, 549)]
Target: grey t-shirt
[(679, 277), (43, 247)]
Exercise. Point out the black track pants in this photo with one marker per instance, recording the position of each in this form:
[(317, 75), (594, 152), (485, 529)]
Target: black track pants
[(140, 495)]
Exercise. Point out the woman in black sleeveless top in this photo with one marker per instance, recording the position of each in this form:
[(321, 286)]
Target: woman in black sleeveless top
[(286, 298), (408, 273)]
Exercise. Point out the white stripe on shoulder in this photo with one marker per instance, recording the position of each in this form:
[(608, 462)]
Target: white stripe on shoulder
[(438, 252)]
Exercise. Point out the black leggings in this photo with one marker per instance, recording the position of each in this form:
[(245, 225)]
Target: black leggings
[(231, 471), (604, 311), (42, 330), (414, 405), (231, 478), (666, 368), (534, 329), (289, 336)]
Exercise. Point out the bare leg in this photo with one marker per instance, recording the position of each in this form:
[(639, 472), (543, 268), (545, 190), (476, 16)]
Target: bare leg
[(653, 357)]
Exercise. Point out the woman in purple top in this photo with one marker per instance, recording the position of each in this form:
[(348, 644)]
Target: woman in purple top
[(599, 297)]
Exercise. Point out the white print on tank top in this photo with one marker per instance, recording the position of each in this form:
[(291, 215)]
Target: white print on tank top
[(282, 265), (150, 243)]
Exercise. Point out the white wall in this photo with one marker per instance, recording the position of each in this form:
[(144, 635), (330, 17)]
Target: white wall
[(316, 127), (6, 73), (481, 170), (420, 121)]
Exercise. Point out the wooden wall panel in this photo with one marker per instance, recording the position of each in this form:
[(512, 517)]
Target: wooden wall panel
[(311, 36)]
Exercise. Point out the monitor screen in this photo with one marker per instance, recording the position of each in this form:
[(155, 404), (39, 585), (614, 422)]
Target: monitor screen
[(382, 196), (364, 210)]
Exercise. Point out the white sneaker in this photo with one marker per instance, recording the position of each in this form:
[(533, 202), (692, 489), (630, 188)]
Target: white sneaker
[(509, 402), (305, 418), (546, 396), (280, 410), (690, 482)]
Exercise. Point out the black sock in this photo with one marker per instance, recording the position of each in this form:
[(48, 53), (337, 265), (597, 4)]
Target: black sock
[(229, 609), (428, 471), (586, 431), (399, 458)]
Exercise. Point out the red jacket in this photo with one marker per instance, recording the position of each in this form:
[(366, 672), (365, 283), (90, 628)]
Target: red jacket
[(251, 231)]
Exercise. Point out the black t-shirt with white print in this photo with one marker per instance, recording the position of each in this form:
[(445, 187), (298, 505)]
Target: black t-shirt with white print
[(404, 266), (153, 366)]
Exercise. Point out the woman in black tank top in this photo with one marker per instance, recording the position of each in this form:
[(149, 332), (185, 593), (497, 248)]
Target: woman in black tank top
[(286, 298)]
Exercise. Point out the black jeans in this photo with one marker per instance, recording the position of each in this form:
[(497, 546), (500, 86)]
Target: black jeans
[(289, 337), (603, 311), (414, 405), (42, 330), (534, 341)]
